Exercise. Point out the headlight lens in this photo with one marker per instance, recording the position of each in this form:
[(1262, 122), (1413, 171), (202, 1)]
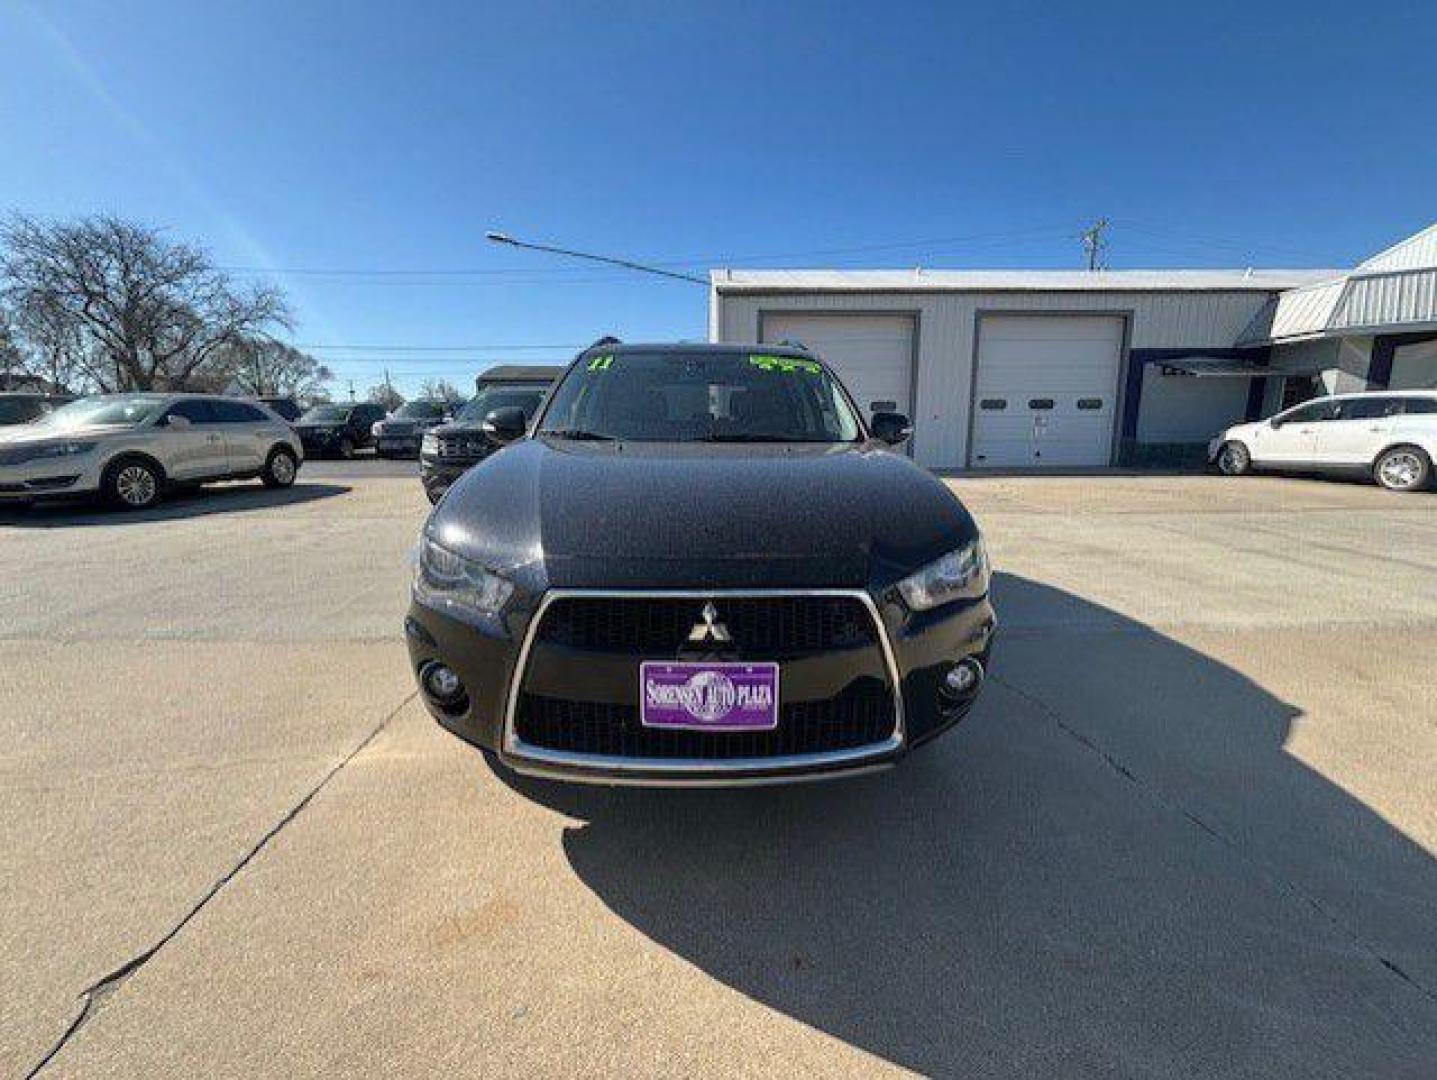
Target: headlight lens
[(449, 582), (38, 451), (377, 428), (429, 444), (960, 575)]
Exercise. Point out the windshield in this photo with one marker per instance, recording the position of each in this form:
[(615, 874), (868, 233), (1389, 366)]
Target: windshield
[(326, 414), (693, 396), (420, 410), (500, 397), (113, 411)]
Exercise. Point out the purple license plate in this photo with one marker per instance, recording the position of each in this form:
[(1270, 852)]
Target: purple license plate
[(709, 697)]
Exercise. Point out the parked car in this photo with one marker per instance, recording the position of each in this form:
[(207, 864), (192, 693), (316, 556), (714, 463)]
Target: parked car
[(286, 408), (128, 448), (699, 565), (1389, 435), (449, 450), (24, 407), (399, 433), (338, 430)]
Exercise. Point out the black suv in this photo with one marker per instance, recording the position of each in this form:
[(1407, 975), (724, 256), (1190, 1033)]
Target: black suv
[(699, 565), (450, 449), (338, 430)]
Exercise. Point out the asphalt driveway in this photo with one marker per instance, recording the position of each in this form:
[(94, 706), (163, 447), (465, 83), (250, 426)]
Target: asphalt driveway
[(1190, 829)]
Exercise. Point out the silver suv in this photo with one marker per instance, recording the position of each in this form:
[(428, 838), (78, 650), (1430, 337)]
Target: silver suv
[(128, 448)]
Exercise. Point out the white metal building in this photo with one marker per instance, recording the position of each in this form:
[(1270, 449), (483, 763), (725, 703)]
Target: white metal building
[(1043, 368)]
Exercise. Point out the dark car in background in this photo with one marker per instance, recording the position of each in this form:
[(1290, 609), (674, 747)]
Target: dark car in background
[(286, 408), (24, 407), (449, 450), (399, 433), (699, 565), (338, 430)]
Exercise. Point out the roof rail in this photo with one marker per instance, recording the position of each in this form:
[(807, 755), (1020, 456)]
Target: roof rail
[(607, 339), (793, 343)]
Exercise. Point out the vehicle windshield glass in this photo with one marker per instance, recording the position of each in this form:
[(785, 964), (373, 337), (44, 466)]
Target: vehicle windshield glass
[(112, 411), (694, 396), (19, 410), (327, 414), (500, 397), (420, 410)]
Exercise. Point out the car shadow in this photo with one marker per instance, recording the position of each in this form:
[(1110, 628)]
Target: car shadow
[(180, 503), (1112, 868)]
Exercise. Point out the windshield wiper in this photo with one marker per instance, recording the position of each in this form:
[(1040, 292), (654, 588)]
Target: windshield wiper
[(580, 435), (757, 437)]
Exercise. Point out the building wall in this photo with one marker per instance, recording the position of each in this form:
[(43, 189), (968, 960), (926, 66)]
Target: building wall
[(1340, 365), (947, 323), (1187, 410)]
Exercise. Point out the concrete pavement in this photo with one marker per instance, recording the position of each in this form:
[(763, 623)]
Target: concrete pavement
[(1189, 830)]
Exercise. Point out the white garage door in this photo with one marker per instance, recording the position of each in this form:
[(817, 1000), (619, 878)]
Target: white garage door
[(872, 354), (1047, 390)]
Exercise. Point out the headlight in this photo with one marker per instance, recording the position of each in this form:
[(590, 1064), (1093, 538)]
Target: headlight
[(449, 582), (959, 575), (22, 454), (377, 428), (429, 444)]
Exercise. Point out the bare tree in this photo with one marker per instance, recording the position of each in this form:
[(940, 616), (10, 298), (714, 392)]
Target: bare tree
[(131, 309), (263, 367), (385, 394), (440, 390)]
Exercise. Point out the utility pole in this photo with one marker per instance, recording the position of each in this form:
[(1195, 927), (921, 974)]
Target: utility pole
[(351, 389), (1094, 244), (388, 387)]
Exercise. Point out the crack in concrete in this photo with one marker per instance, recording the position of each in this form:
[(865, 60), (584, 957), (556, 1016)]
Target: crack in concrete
[(94, 996), (1155, 795)]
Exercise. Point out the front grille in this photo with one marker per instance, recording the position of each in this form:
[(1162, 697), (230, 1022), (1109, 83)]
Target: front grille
[(462, 446), (759, 626), (861, 715), (579, 691)]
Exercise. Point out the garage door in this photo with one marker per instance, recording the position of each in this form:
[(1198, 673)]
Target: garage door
[(1047, 390), (872, 354)]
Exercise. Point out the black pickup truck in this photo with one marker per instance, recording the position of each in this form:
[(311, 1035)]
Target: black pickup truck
[(449, 450)]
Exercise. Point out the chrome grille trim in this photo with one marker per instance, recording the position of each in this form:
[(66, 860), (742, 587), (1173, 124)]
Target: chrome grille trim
[(538, 761)]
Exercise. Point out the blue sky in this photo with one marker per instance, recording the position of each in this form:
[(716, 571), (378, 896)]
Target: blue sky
[(381, 140)]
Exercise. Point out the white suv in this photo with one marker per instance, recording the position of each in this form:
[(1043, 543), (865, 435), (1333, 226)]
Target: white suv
[(129, 447), (1390, 435)]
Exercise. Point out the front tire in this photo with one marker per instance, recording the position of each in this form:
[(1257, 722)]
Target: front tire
[(280, 469), (132, 484), (1234, 459), (1403, 468)]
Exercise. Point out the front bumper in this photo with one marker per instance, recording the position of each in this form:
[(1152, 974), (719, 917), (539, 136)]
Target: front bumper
[(50, 478), (917, 649), (407, 445), (438, 474)]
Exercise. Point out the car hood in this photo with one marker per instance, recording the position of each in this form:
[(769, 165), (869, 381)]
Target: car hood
[(664, 515), (24, 434)]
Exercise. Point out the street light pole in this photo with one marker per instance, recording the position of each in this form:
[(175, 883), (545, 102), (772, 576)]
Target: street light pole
[(503, 238)]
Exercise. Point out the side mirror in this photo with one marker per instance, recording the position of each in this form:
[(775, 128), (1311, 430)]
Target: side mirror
[(175, 420), (1275, 423), (891, 427), (503, 426)]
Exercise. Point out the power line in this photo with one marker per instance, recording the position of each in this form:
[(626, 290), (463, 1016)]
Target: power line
[(432, 348), (670, 262)]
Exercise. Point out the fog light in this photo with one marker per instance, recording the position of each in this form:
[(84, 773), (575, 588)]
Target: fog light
[(963, 678), (441, 683)]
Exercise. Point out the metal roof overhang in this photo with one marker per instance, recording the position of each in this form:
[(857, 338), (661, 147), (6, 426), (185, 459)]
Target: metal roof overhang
[(1214, 367)]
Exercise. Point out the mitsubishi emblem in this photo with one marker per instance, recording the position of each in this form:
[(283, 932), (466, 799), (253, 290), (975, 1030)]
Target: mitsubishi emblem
[(709, 628)]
